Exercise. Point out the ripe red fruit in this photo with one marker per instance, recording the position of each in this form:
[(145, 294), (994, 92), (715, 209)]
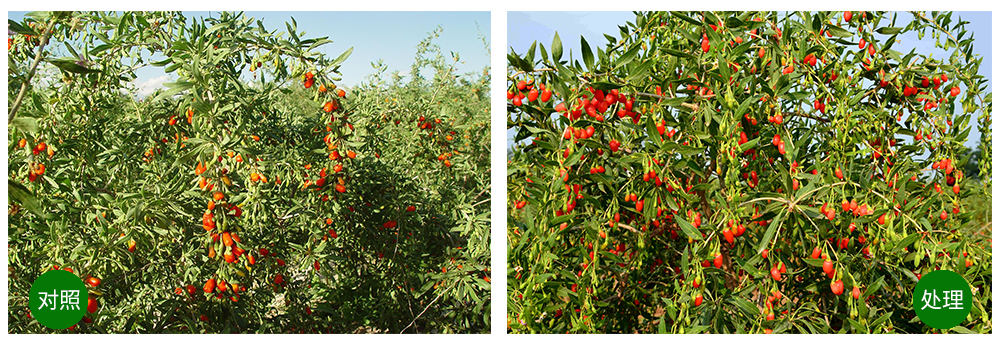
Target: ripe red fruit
[(764, 254), (533, 95), (837, 287), (209, 285), (546, 95), (839, 173), (697, 300), (411, 208), (827, 266), (227, 239), (718, 261), (560, 108), (93, 281), (856, 292), (776, 274), (705, 44), (614, 145), (955, 91), (944, 215), (728, 235), (881, 219), (328, 107), (389, 224), (91, 304)]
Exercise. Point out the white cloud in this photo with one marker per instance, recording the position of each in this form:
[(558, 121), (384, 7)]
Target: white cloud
[(148, 86)]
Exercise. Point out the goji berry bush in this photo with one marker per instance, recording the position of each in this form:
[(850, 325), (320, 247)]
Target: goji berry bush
[(252, 193), (747, 172)]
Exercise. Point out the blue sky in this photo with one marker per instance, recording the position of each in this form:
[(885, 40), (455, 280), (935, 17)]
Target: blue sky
[(523, 28), (389, 36)]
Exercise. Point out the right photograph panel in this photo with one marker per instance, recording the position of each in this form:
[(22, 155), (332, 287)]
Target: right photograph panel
[(749, 172)]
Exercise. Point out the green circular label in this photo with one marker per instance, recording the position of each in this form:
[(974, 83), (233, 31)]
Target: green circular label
[(942, 299), (58, 299)]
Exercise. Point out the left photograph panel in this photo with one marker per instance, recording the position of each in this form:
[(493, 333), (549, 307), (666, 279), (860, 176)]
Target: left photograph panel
[(248, 172)]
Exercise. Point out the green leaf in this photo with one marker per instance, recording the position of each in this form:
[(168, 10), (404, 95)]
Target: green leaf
[(70, 65), (18, 192), (769, 234), (749, 144), (588, 54), (678, 53), (14, 26), (25, 124), (838, 31), (629, 55), (889, 30), (557, 48), (961, 329), (906, 242), (688, 229), (172, 89), (880, 320), (343, 57)]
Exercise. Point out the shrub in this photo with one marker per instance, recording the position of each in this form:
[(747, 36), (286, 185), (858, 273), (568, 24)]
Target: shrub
[(253, 194), (697, 172)]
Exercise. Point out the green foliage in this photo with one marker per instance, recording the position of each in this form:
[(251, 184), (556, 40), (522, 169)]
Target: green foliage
[(718, 233), (315, 184)]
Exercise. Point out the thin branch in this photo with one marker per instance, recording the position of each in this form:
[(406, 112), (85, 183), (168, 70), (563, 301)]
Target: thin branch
[(620, 225), (536, 70), (46, 31), (425, 308), (921, 16)]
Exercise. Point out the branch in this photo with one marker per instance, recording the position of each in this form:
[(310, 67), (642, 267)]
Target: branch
[(921, 16), (537, 70), (31, 71), (621, 225), (425, 308)]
